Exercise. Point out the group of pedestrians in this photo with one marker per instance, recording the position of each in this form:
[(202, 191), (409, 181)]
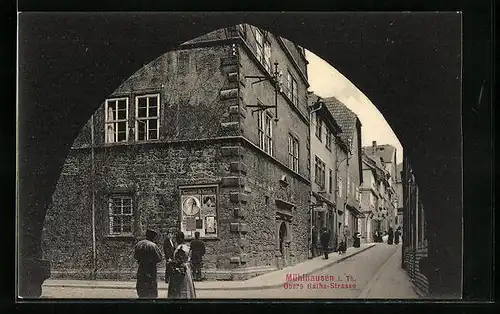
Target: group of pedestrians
[(324, 239), (183, 264), (393, 237)]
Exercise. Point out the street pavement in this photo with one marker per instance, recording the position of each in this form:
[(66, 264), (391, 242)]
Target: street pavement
[(374, 272)]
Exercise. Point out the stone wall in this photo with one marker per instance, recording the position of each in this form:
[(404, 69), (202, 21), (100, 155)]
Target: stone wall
[(152, 174), (265, 193)]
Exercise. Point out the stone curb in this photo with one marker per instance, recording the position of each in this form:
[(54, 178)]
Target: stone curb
[(271, 286)]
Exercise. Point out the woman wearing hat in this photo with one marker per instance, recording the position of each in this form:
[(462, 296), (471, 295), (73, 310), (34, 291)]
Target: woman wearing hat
[(147, 254), (181, 285)]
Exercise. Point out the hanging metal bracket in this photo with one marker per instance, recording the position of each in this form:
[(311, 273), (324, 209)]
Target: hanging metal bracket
[(260, 78), (275, 79)]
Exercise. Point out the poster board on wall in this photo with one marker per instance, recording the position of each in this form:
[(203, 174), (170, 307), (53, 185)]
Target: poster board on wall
[(199, 210)]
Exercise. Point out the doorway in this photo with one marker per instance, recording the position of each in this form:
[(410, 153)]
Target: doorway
[(282, 239)]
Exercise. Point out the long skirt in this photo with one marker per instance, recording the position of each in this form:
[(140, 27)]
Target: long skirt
[(147, 283), (181, 286)]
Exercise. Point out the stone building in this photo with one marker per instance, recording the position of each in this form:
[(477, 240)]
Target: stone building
[(324, 134), (399, 196), (373, 177), (415, 246), (348, 168), (212, 137), (386, 155)]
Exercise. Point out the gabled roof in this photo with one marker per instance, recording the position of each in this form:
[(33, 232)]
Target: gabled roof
[(345, 118), (327, 115)]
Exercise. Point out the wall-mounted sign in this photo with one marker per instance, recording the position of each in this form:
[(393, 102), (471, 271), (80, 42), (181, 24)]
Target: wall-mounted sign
[(198, 211)]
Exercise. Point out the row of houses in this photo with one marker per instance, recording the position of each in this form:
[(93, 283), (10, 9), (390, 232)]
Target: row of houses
[(220, 136)]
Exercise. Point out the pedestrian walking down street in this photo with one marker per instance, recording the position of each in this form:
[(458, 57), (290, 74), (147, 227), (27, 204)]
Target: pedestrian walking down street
[(148, 255), (314, 242), (357, 239), (325, 239), (169, 246), (197, 252), (390, 239), (347, 235), (397, 233), (181, 285)]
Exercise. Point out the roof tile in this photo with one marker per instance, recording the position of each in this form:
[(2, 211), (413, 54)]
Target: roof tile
[(344, 117)]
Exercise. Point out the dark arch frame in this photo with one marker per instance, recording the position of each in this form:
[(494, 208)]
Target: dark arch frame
[(67, 67)]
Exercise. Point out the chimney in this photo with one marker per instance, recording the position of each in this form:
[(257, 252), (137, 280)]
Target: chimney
[(374, 146)]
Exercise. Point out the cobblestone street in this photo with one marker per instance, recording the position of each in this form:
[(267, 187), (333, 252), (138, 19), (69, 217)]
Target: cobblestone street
[(374, 273)]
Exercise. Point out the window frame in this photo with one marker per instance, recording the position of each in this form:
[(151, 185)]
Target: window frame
[(265, 132), (111, 215), (292, 88), (115, 122), (328, 140), (330, 181), (319, 172), (259, 44), (319, 127), (263, 50), (138, 119), (267, 56), (293, 152), (295, 92), (289, 78)]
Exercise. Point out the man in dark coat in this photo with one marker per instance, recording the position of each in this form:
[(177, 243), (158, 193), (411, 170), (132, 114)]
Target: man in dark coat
[(169, 246), (397, 233), (197, 252), (390, 239), (314, 242), (147, 254), (325, 239)]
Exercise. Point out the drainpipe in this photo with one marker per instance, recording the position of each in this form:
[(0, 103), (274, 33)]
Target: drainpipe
[(94, 255), (317, 109)]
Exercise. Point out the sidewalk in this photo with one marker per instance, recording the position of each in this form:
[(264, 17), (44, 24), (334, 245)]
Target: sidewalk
[(390, 282), (274, 279)]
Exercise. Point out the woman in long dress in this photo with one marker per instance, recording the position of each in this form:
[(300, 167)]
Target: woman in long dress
[(181, 285), (390, 239)]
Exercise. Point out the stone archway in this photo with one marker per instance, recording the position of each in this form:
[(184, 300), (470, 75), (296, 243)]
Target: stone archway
[(66, 69)]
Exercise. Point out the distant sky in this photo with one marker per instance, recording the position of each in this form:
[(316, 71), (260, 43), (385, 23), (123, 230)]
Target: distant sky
[(326, 81)]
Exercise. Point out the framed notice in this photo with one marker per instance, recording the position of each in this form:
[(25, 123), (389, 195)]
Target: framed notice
[(199, 210), (210, 226)]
